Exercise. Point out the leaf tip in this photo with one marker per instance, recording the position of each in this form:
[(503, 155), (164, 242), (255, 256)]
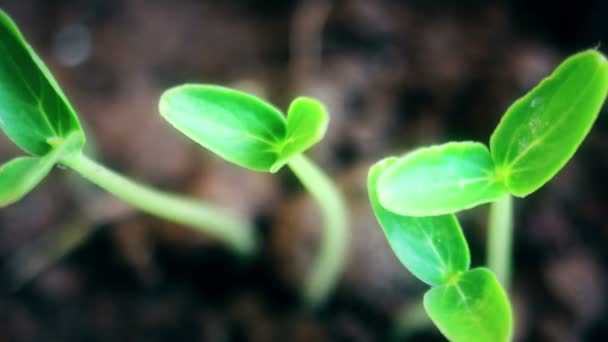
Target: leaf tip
[(163, 102), (276, 167)]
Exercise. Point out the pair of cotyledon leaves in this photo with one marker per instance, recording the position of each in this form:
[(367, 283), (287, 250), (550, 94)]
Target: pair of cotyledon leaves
[(536, 137), (37, 117), (34, 114), (466, 305), (414, 196), (241, 128)]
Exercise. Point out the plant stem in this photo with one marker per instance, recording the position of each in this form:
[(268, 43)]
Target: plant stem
[(500, 239), (187, 211), (329, 263)]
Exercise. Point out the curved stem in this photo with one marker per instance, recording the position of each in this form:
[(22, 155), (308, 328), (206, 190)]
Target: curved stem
[(187, 211), (329, 262), (500, 239)]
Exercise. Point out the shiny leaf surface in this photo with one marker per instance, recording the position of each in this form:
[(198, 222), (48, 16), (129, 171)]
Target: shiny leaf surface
[(432, 248), (541, 131), (241, 128), (32, 106), (440, 179), (471, 308)]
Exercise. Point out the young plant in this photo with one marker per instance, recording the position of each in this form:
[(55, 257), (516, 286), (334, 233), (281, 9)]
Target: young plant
[(37, 117), (414, 196), (251, 133), (466, 305)]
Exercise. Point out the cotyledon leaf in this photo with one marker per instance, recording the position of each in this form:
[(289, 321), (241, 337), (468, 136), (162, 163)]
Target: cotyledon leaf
[(440, 179), (433, 248), (241, 128), (32, 106), (307, 122), (236, 126), (20, 175), (541, 131), (471, 308)]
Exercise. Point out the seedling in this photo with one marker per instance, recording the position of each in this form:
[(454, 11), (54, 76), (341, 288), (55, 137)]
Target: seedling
[(251, 133), (414, 196), (37, 117), (466, 305)]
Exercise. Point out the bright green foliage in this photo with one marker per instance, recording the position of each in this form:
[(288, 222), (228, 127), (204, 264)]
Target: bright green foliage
[(241, 128), (32, 106), (473, 307), (541, 131), (440, 179), (432, 248), (536, 137), (36, 115), (251, 133), (307, 122), (465, 305), (20, 175), (534, 140), (238, 127)]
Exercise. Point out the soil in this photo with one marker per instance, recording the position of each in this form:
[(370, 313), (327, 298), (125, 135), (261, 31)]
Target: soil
[(78, 265)]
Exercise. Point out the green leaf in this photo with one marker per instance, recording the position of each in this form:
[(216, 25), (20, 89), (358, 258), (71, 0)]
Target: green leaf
[(238, 127), (541, 131), (241, 128), (20, 175), (472, 308), (32, 106), (307, 122), (432, 248), (440, 179)]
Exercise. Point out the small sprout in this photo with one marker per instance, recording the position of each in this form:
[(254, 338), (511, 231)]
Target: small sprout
[(37, 117), (241, 128), (32, 106), (466, 305), (34, 114), (534, 140), (251, 133)]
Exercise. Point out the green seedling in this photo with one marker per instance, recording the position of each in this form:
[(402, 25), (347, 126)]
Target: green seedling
[(414, 196), (249, 132), (466, 305), (536, 137), (36, 115)]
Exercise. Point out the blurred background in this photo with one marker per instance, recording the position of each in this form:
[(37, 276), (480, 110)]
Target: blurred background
[(78, 265)]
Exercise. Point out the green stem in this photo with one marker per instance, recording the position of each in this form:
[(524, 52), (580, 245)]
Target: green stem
[(189, 212), (500, 239), (329, 263)]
